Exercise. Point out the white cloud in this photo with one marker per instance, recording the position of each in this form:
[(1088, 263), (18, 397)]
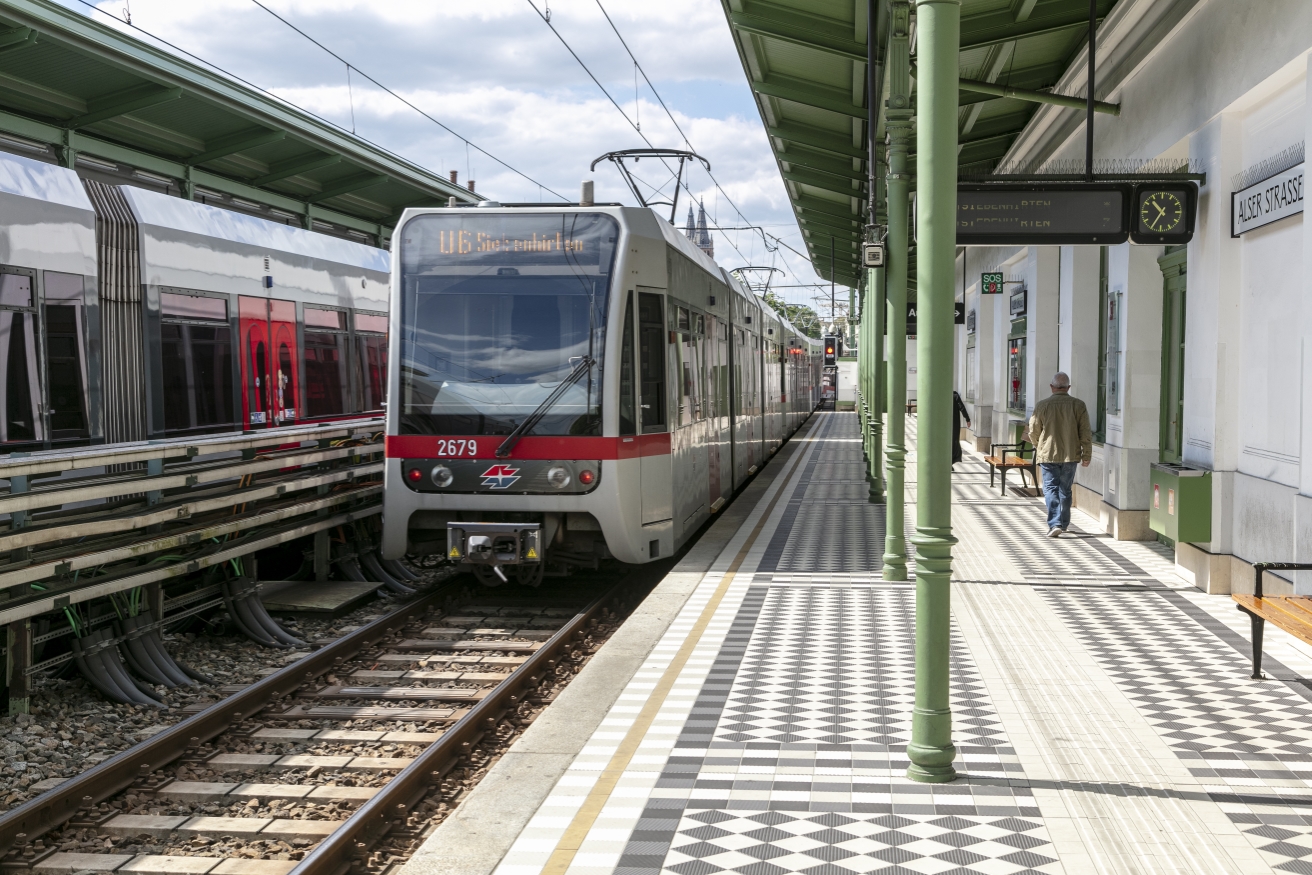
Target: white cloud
[(495, 73)]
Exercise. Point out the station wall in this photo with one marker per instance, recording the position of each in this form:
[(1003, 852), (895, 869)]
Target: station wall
[(1225, 86)]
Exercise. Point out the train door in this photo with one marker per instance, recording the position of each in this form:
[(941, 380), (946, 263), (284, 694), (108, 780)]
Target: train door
[(21, 421), (253, 315), (66, 357), (722, 446), (284, 376), (653, 405), (268, 361)]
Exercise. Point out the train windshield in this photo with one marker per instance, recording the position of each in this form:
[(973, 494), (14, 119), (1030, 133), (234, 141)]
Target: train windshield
[(497, 310)]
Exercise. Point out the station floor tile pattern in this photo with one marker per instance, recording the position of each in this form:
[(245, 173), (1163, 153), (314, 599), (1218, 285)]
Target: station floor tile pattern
[(1103, 714)]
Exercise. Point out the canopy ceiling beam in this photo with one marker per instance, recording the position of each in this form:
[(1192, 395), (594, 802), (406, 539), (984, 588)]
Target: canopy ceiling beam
[(295, 167), (772, 28), (356, 183), (231, 145), (122, 104)]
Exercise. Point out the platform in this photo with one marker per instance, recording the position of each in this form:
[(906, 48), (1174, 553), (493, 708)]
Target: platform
[(752, 716)]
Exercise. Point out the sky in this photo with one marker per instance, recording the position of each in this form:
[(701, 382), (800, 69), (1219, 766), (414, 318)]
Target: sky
[(493, 72)]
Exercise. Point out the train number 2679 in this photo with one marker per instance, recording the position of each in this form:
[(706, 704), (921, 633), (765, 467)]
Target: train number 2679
[(450, 448)]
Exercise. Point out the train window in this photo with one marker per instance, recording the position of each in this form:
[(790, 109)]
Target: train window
[(66, 364), (197, 362), (334, 320), (197, 376), (193, 307), (15, 290), (20, 415), (690, 401), (651, 361), (628, 422), (371, 322), (325, 354), (371, 360)]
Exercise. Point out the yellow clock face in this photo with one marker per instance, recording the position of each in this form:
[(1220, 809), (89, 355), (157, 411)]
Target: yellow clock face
[(1161, 212)]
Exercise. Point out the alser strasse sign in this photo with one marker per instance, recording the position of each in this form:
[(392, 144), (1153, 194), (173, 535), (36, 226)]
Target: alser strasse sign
[(1267, 201)]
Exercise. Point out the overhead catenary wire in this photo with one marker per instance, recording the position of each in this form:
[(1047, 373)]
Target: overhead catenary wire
[(469, 144), (546, 19), (718, 188), (210, 64)]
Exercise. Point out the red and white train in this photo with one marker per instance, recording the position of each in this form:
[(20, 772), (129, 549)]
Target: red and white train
[(573, 384)]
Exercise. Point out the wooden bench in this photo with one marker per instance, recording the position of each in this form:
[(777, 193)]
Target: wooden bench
[(1002, 464), (1293, 613)]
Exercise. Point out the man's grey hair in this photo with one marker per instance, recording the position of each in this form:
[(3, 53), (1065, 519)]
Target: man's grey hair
[(1061, 381)]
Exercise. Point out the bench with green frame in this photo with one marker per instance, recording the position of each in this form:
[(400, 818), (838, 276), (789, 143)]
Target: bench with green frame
[(1014, 457)]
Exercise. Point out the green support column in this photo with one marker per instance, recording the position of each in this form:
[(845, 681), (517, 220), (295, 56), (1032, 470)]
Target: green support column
[(875, 304), (938, 36), (898, 123)]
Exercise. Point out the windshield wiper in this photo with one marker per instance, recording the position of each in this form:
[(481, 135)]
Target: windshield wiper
[(585, 364)]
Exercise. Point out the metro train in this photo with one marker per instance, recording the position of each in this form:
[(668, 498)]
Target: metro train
[(573, 384), (127, 314)]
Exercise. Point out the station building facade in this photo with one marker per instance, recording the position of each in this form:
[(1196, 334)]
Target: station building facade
[(1198, 354)]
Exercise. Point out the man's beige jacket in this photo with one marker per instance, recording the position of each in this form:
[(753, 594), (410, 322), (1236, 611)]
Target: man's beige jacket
[(1059, 430)]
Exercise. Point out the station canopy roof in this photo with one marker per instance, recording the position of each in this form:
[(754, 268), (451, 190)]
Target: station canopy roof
[(805, 61), (81, 90)]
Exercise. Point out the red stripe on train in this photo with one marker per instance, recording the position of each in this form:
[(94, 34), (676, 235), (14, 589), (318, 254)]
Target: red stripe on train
[(564, 448)]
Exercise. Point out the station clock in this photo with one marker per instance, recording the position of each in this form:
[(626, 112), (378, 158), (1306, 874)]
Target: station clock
[(1164, 212)]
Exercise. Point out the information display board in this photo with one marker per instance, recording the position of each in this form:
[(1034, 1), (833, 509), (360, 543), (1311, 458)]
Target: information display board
[(1019, 214)]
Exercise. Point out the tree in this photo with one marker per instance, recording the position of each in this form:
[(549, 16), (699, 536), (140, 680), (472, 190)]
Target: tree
[(804, 319)]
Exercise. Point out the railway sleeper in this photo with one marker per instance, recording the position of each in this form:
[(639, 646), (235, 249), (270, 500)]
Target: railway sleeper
[(66, 863), (224, 762), (220, 791), (160, 826)]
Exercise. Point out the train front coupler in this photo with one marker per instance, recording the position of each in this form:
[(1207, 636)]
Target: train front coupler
[(493, 545)]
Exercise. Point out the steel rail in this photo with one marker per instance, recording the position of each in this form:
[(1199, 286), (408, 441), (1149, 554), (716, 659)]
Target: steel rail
[(183, 538), (217, 472), (54, 600), (53, 808), (58, 461), (60, 530), (394, 800)]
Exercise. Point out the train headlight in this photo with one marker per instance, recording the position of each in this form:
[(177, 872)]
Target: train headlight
[(558, 477), (442, 476), (586, 477)]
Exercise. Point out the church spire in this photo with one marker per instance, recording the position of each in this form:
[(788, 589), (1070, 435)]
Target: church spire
[(703, 237)]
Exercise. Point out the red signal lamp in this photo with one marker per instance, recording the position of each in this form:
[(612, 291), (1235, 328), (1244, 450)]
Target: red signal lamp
[(414, 475), (586, 477)]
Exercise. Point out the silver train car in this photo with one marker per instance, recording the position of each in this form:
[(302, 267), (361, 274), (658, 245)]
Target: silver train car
[(127, 314), (573, 384)]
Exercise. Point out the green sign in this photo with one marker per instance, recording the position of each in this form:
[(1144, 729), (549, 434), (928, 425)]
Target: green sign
[(990, 283)]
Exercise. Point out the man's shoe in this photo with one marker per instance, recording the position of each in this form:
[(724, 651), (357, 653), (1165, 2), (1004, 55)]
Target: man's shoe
[(1054, 532)]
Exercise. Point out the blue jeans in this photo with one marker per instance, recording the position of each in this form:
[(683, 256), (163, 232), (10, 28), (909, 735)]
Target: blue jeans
[(1058, 481)]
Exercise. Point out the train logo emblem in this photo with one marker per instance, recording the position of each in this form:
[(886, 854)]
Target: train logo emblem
[(500, 476)]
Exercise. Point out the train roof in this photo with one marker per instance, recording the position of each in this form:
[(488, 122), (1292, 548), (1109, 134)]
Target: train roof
[(166, 211), (44, 182)]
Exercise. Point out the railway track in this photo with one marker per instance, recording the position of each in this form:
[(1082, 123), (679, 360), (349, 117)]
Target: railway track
[(338, 762)]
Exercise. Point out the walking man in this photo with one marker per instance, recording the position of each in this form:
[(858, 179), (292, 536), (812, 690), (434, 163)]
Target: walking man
[(1060, 432)]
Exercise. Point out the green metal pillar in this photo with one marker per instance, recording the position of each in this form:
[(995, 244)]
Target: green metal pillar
[(938, 24), (898, 123), (875, 318), (875, 424)]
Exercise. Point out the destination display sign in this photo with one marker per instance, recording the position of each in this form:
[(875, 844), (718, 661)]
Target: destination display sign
[(1019, 214), (1268, 201)]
